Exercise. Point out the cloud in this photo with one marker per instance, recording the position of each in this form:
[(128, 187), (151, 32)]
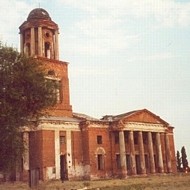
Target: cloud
[(99, 37), (12, 13), (159, 56), (110, 27), (168, 13), (88, 71)]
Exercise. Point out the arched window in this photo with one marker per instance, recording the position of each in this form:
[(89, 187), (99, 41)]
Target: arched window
[(55, 85), (100, 154), (56, 91), (27, 49), (51, 72), (47, 50)]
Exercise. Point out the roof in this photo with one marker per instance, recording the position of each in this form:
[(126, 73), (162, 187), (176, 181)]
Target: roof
[(128, 114), (38, 17), (55, 118), (38, 13), (118, 117), (84, 117)]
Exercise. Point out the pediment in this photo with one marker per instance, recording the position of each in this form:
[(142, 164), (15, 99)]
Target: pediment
[(143, 116)]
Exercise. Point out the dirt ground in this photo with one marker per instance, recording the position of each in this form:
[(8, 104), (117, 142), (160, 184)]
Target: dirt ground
[(157, 182)]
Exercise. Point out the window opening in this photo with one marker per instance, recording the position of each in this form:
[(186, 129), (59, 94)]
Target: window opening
[(146, 162), (154, 138), (136, 138), (128, 160), (55, 89), (27, 49), (99, 139), (126, 135), (100, 162), (62, 140), (118, 161), (116, 137), (47, 50), (145, 138)]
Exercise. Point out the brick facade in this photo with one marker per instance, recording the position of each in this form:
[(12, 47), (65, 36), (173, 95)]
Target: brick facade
[(75, 146)]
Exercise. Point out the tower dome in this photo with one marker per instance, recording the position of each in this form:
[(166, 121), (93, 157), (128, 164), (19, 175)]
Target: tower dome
[(39, 35), (38, 13)]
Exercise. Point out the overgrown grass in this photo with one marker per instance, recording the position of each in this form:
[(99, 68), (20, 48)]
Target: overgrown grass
[(161, 182)]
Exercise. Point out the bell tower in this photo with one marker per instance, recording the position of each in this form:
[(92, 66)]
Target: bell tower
[(39, 39), (39, 35)]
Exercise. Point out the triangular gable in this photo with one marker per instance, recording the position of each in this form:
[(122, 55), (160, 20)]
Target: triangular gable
[(143, 116)]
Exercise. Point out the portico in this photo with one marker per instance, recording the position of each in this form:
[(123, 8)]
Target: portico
[(143, 147), (139, 151)]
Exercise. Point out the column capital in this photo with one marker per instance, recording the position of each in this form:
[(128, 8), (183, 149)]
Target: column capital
[(120, 125)]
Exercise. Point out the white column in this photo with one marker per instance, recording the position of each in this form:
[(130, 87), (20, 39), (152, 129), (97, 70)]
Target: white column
[(40, 41), (26, 152), (69, 151), (132, 153), (159, 149), (168, 155), (57, 154), (56, 47), (21, 44), (122, 154), (32, 42), (141, 151), (151, 153)]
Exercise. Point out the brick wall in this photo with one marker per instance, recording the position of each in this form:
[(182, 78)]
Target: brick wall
[(48, 148), (172, 151), (77, 155), (42, 151), (61, 72), (85, 147), (94, 147), (35, 153)]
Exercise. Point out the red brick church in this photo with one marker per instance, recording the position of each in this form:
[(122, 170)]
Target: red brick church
[(76, 146)]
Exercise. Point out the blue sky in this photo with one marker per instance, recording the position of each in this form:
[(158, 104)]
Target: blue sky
[(124, 55)]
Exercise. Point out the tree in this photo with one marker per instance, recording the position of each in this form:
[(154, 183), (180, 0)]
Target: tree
[(178, 161), (184, 159), (24, 93)]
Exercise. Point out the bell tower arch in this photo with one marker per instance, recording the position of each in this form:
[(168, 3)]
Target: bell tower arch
[(39, 35)]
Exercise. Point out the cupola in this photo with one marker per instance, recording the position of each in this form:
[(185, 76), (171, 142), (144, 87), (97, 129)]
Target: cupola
[(39, 35)]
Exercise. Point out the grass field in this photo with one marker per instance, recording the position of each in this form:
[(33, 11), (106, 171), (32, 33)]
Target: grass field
[(161, 182)]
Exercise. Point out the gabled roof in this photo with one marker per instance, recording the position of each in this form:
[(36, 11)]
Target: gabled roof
[(129, 115), (118, 117), (143, 116)]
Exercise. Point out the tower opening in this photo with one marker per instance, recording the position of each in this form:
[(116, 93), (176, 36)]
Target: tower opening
[(27, 50), (47, 50)]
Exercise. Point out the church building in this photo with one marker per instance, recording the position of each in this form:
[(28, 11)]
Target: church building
[(70, 145)]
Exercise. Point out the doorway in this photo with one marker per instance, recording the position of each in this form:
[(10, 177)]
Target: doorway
[(138, 164), (63, 167)]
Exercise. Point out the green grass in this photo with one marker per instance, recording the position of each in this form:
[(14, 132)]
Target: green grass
[(158, 182)]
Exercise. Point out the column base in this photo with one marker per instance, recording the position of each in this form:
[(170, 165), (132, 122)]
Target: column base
[(123, 175)]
